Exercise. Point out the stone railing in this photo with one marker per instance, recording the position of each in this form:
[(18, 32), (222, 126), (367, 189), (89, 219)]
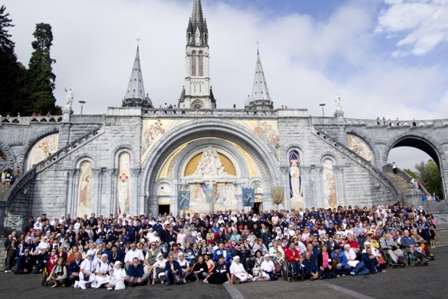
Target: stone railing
[(363, 162), (28, 176), (395, 123), (404, 175), (27, 120), (208, 113)]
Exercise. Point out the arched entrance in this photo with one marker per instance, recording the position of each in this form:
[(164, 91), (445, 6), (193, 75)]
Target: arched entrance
[(426, 145), (231, 141)]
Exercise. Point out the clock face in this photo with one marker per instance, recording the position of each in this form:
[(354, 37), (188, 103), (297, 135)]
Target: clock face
[(197, 104)]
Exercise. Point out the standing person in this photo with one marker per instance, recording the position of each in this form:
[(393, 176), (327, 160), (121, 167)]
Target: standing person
[(10, 255), (220, 273), (394, 168)]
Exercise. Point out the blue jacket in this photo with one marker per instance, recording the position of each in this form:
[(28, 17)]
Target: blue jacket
[(342, 257), (310, 266), (226, 255), (177, 268), (135, 272), (406, 242), (74, 266)]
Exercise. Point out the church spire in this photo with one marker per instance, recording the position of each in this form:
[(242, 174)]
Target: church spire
[(197, 32), (135, 94), (260, 93), (197, 92)]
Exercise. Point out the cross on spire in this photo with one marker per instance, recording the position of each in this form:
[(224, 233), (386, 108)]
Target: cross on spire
[(258, 49), (138, 41)]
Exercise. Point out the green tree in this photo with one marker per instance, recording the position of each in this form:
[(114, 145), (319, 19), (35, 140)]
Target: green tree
[(411, 173), (40, 77), (429, 176), (11, 71)]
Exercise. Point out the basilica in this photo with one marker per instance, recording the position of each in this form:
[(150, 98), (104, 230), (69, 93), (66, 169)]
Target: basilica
[(197, 158)]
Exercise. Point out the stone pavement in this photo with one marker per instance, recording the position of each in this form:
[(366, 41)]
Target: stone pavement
[(412, 282)]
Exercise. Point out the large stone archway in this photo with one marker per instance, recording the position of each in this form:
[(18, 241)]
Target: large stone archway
[(264, 156), (422, 142)]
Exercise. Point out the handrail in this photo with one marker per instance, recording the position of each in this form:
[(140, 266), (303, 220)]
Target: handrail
[(360, 160), (50, 160)]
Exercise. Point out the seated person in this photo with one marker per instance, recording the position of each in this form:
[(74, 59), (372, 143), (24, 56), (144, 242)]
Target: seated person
[(391, 248), (117, 278), (370, 261), (237, 272), (310, 266), (325, 263), (103, 272), (221, 251), (24, 263), (73, 268), (157, 270), (356, 267), (293, 257), (185, 265), (58, 274), (340, 261), (411, 244), (136, 275), (267, 270), (173, 271), (199, 271), (86, 275), (220, 273)]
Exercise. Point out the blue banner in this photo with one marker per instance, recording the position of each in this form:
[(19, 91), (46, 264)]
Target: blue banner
[(248, 197), (210, 195), (183, 200)]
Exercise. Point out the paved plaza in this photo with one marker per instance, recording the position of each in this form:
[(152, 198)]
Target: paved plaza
[(413, 282)]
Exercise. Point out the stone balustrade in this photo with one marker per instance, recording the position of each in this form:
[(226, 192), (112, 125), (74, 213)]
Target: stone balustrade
[(27, 120)]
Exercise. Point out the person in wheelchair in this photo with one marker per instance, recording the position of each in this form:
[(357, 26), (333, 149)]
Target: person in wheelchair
[(293, 257), (389, 246), (411, 244)]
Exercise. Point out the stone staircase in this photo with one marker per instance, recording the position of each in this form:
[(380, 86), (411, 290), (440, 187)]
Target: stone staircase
[(401, 183)]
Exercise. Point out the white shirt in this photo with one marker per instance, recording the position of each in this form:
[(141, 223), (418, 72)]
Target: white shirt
[(103, 268), (133, 253), (267, 266), (87, 266), (237, 268)]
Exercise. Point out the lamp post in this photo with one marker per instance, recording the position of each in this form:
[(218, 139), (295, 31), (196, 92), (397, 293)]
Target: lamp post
[(323, 112), (82, 104)]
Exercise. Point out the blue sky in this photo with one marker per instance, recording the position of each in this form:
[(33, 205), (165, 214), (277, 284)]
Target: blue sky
[(383, 57)]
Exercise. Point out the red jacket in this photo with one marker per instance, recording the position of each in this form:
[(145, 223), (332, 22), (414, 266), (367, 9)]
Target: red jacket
[(292, 255)]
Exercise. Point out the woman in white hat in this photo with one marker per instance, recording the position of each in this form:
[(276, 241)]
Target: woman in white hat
[(103, 272), (117, 278), (237, 272), (86, 275)]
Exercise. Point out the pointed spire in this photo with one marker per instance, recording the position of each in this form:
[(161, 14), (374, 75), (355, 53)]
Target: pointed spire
[(260, 94), (135, 94), (197, 32), (197, 16)]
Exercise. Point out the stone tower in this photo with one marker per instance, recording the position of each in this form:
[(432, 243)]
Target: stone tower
[(260, 94), (197, 93), (135, 94)]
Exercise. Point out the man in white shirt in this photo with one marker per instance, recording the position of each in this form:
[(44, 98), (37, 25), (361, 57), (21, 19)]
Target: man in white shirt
[(134, 252), (267, 270)]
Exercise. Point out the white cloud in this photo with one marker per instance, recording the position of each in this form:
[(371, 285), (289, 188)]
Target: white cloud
[(306, 61), (424, 24)]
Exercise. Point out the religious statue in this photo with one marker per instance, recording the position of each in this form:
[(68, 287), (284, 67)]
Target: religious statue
[(210, 165), (69, 98), (337, 100), (294, 173)]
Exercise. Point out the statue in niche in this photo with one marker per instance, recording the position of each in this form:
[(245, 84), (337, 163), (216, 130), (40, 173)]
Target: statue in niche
[(210, 165), (123, 181)]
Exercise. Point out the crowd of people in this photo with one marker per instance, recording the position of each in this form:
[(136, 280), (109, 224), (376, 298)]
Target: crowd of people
[(222, 247)]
